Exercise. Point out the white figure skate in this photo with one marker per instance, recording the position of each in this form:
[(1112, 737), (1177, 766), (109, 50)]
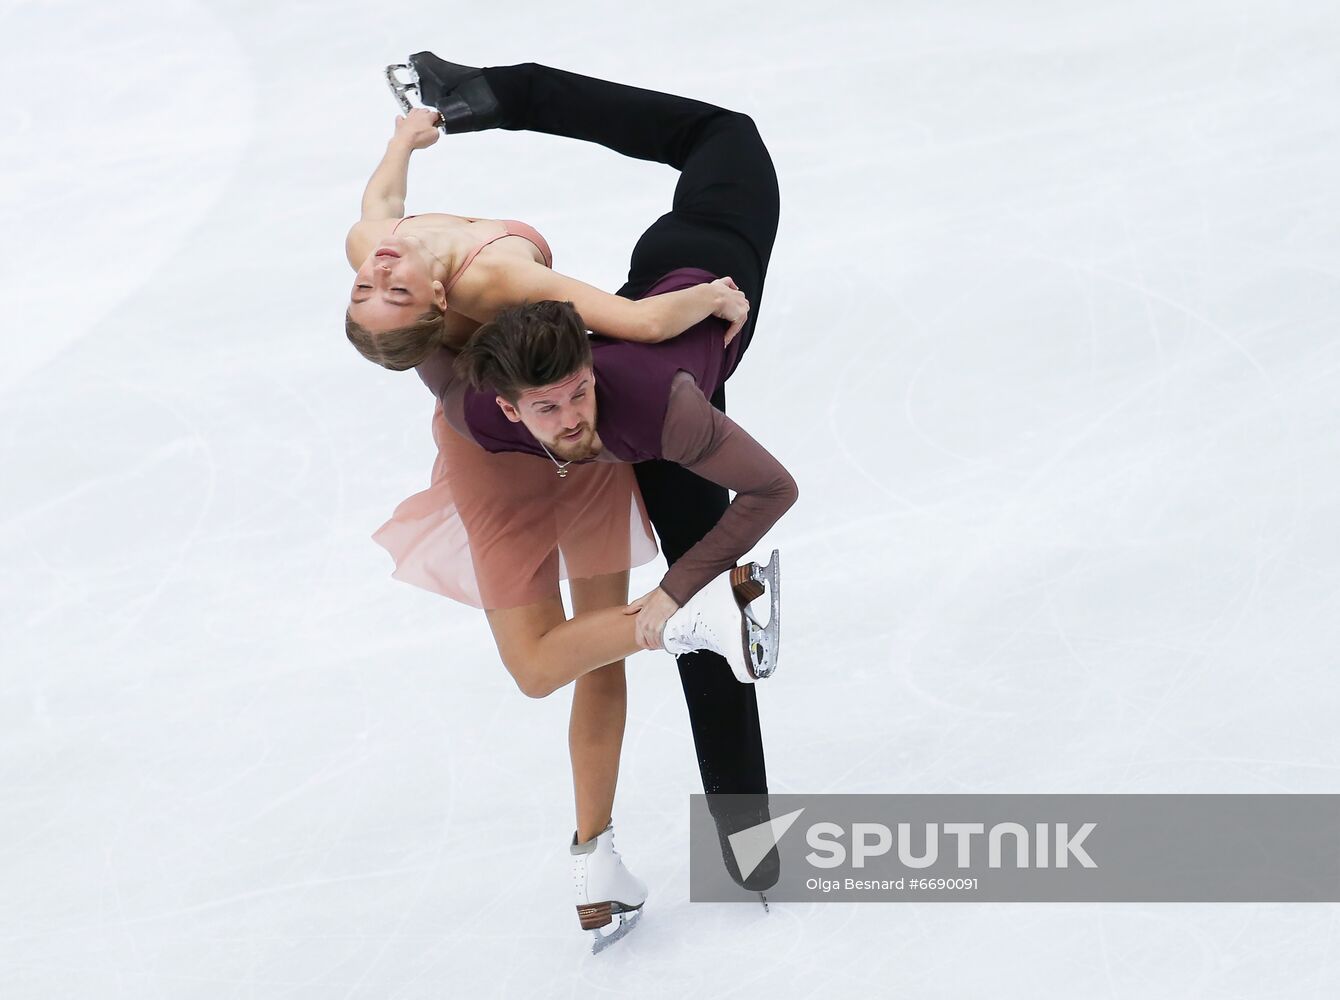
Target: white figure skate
[(605, 889), (719, 618)]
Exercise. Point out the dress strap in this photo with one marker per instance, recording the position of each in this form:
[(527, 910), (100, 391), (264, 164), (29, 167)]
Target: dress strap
[(510, 228), (470, 260)]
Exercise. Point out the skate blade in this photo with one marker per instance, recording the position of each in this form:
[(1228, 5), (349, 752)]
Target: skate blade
[(401, 88), (627, 921), (762, 642)]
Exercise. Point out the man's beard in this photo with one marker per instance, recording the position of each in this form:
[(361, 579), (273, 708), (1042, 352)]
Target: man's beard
[(577, 450)]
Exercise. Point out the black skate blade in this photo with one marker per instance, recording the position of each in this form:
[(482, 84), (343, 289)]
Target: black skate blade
[(626, 923)]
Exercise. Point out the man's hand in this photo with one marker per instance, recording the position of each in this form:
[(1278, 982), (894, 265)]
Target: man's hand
[(418, 129), (653, 611)]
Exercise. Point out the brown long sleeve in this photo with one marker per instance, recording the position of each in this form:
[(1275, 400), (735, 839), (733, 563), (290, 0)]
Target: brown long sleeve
[(708, 443)]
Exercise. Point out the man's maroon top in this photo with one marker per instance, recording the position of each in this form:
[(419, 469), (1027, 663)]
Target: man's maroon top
[(651, 403)]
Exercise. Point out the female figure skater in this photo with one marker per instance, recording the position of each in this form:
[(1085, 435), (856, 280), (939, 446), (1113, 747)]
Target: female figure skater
[(426, 282)]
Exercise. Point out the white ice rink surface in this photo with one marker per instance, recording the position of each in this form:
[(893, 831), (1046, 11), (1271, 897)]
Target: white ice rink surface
[(1049, 344)]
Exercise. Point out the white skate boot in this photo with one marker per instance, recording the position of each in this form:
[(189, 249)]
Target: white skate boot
[(719, 618), (605, 889)]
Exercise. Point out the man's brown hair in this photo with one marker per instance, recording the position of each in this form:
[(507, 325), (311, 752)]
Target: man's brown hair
[(525, 347), (401, 348)]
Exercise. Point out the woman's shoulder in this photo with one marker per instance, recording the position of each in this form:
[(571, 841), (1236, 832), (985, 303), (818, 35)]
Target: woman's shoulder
[(363, 236), (434, 221), (490, 282)]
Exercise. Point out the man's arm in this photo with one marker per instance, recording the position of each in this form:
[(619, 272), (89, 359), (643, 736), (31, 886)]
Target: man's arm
[(708, 443)]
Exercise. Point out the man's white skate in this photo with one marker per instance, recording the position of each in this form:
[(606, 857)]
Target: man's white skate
[(720, 617), (605, 889)]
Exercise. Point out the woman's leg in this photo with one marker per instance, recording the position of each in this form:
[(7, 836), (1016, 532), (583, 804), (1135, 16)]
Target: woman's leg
[(599, 709), (543, 649)]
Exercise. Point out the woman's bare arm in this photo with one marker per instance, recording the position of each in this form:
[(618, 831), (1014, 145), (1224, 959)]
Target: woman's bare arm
[(384, 197), (492, 285)]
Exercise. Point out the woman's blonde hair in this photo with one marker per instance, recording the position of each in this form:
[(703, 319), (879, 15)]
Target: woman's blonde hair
[(403, 347)]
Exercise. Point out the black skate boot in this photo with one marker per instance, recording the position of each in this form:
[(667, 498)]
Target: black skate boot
[(733, 813), (461, 95)]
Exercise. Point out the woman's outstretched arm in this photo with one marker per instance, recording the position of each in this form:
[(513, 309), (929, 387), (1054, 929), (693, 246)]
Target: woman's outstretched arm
[(384, 197), (489, 286)]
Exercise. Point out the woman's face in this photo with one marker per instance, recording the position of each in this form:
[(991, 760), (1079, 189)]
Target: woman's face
[(395, 285)]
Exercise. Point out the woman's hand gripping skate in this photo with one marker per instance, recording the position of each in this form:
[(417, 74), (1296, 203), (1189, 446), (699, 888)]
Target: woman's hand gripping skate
[(653, 611), (732, 306), (418, 129)]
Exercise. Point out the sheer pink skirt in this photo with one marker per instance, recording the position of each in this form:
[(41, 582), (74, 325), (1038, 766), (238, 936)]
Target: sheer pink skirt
[(500, 530)]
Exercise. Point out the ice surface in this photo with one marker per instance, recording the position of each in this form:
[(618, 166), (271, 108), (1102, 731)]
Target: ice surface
[(1049, 344)]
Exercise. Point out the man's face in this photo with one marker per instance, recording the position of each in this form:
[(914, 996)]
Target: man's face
[(561, 415)]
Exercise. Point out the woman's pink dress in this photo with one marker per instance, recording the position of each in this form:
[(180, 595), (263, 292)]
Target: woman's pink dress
[(500, 530)]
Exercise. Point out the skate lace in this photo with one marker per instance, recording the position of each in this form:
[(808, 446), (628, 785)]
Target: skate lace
[(700, 628)]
